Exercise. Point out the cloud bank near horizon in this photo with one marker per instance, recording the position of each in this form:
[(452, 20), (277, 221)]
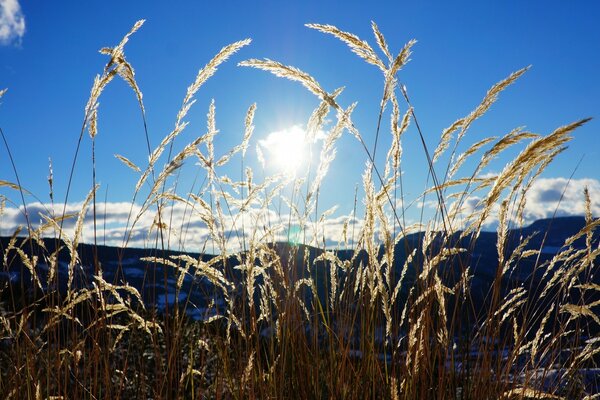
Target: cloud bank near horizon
[(121, 224), (547, 198), (187, 230)]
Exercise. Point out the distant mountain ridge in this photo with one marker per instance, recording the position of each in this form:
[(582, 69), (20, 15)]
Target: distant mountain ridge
[(125, 264)]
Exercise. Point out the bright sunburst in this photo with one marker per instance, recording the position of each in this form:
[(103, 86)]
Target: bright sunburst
[(285, 150)]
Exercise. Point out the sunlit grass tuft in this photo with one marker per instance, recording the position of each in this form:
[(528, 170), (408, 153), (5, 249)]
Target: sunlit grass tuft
[(395, 316)]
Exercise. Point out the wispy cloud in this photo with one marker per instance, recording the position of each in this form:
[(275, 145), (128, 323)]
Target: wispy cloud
[(12, 22)]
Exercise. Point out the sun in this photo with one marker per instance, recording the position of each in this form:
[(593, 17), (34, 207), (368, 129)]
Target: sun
[(285, 150)]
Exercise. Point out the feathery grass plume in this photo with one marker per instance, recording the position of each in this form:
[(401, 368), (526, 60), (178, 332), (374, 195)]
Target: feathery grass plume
[(511, 303), (52, 261), (327, 156), (479, 183), (589, 351), (394, 393), (117, 52), (358, 46), (441, 291), (381, 41), (390, 74), (526, 393), (533, 155), (520, 253), (291, 73), (168, 170), (317, 118), (563, 259), (247, 371), (210, 68), (211, 128), (127, 162), (588, 217), (335, 265), (464, 123), (119, 65), (464, 156), (538, 335), (511, 138), (29, 262), (502, 233), (203, 75), (74, 256), (249, 128), (93, 125), (431, 262), (116, 65), (398, 287), (588, 228), (8, 184), (400, 60), (394, 154), (65, 310), (531, 179)]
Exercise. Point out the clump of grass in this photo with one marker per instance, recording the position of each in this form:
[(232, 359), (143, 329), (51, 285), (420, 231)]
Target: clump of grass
[(290, 321)]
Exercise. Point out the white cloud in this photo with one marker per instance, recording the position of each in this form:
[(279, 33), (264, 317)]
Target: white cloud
[(12, 21), (547, 198), (188, 231)]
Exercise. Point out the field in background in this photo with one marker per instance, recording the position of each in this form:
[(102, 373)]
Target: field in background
[(437, 309)]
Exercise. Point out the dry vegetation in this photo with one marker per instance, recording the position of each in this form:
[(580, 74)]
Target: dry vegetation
[(295, 325)]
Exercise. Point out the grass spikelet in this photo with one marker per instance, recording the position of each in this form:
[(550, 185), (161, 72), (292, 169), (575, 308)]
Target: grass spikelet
[(588, 228), (381, 41), (526, 393), (93, 125), (77, 235), (464, 123), (464, 156), (291, 73), (328, 153), (30, 263), (502, 233), (317, 118), (358, 46), (513, 137), (576, 311), (540, 331), (520, 252), (395, 152), (400, 60), (209, 69), (247, 371), (117, 52), (10, 185), (537, 151), (128, 163), (249, 128)]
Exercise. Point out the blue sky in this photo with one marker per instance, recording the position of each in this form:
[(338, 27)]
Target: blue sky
[(49, 57)]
